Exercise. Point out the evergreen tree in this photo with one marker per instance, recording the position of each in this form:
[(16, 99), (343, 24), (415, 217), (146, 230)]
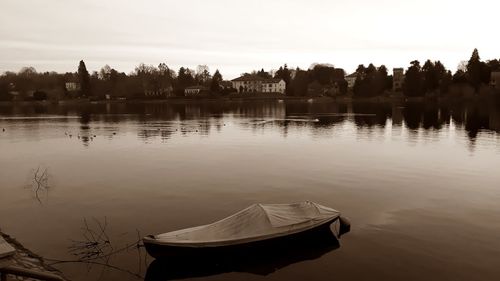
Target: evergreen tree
[(431, 81), (384, 76), (285, 74), (84, 79), (216, 81), (413, 83), (474, 70), (185, 79), (370, 81), (264, 74), (300, 82), (446, 81)]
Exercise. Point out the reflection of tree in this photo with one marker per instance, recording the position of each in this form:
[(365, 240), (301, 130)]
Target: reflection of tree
[(475, 121), (472, 116), (201, 117), (40, 183), (84, 134), (371, 114), (412, 114)]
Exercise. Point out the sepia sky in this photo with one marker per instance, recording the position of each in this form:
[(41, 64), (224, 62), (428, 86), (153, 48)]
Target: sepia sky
[(237, 36)]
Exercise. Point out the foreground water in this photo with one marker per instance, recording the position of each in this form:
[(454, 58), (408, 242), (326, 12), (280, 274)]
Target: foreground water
[(420, 183)]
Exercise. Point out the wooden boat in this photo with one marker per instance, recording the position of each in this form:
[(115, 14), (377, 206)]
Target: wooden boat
[(256, 226)]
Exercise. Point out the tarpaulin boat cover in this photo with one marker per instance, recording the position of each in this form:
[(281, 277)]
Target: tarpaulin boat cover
[(257, 222)]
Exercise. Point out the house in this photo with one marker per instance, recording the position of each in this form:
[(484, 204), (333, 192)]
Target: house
[(159, 93), (495, 79), (195, 91), (256, 84), (351, 79), (248, 84), (72, 86), (226, 84), (273, 86), (398, 78)]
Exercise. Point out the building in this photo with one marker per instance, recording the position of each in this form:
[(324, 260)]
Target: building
[(273, 86), (351, 79), (195, 91), (398, 77), (72, 86), (247, 84), (226, 84), (160, 93), (495, 79), (256, 84)]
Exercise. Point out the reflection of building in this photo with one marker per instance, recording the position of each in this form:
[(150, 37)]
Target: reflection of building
[(398, 78), (495, 79), (254, 83), (495, 119), (195, 91), (351, 79)]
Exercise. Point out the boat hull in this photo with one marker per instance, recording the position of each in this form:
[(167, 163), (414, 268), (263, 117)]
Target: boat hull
[(159, 251), (262, 260)]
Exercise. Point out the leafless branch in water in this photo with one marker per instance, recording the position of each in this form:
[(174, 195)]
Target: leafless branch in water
[(40, 182), (95, 243), (95, 248)]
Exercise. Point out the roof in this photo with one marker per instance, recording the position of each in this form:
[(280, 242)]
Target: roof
[(273, 80), (256, 78), (197, 87), (248, 78), (353, 75)]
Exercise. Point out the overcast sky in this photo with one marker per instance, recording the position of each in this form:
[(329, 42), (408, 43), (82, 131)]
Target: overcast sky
[(238, 36)]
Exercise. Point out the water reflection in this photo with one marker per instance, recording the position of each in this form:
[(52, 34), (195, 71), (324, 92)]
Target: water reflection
[(260, 261), (166, 166), (163, 120), (39, 183)]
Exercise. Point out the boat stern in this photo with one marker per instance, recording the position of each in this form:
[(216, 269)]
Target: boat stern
[(345, 226)]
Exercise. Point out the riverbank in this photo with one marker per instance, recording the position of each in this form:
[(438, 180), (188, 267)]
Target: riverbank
[(340, 99), (25, 259)]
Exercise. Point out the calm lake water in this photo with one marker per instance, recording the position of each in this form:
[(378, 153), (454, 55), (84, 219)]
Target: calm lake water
[(419, 182)]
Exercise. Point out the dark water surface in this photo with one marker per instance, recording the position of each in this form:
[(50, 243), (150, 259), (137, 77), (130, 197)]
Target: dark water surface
[(420, 183)]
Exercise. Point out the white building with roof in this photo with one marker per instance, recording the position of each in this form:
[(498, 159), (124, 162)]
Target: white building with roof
[(256, 84)]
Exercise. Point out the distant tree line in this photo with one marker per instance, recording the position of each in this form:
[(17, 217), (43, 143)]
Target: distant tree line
[(434, 79), (148, 81), (159, 80), (371, 81)]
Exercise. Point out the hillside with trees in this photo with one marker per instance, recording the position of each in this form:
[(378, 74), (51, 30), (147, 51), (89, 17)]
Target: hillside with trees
[(431, 79)]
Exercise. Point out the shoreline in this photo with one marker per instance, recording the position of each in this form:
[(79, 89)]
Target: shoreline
[(340, 99), (26, 259)]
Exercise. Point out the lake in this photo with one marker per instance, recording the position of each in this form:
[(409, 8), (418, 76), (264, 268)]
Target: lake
[(420, 183)]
